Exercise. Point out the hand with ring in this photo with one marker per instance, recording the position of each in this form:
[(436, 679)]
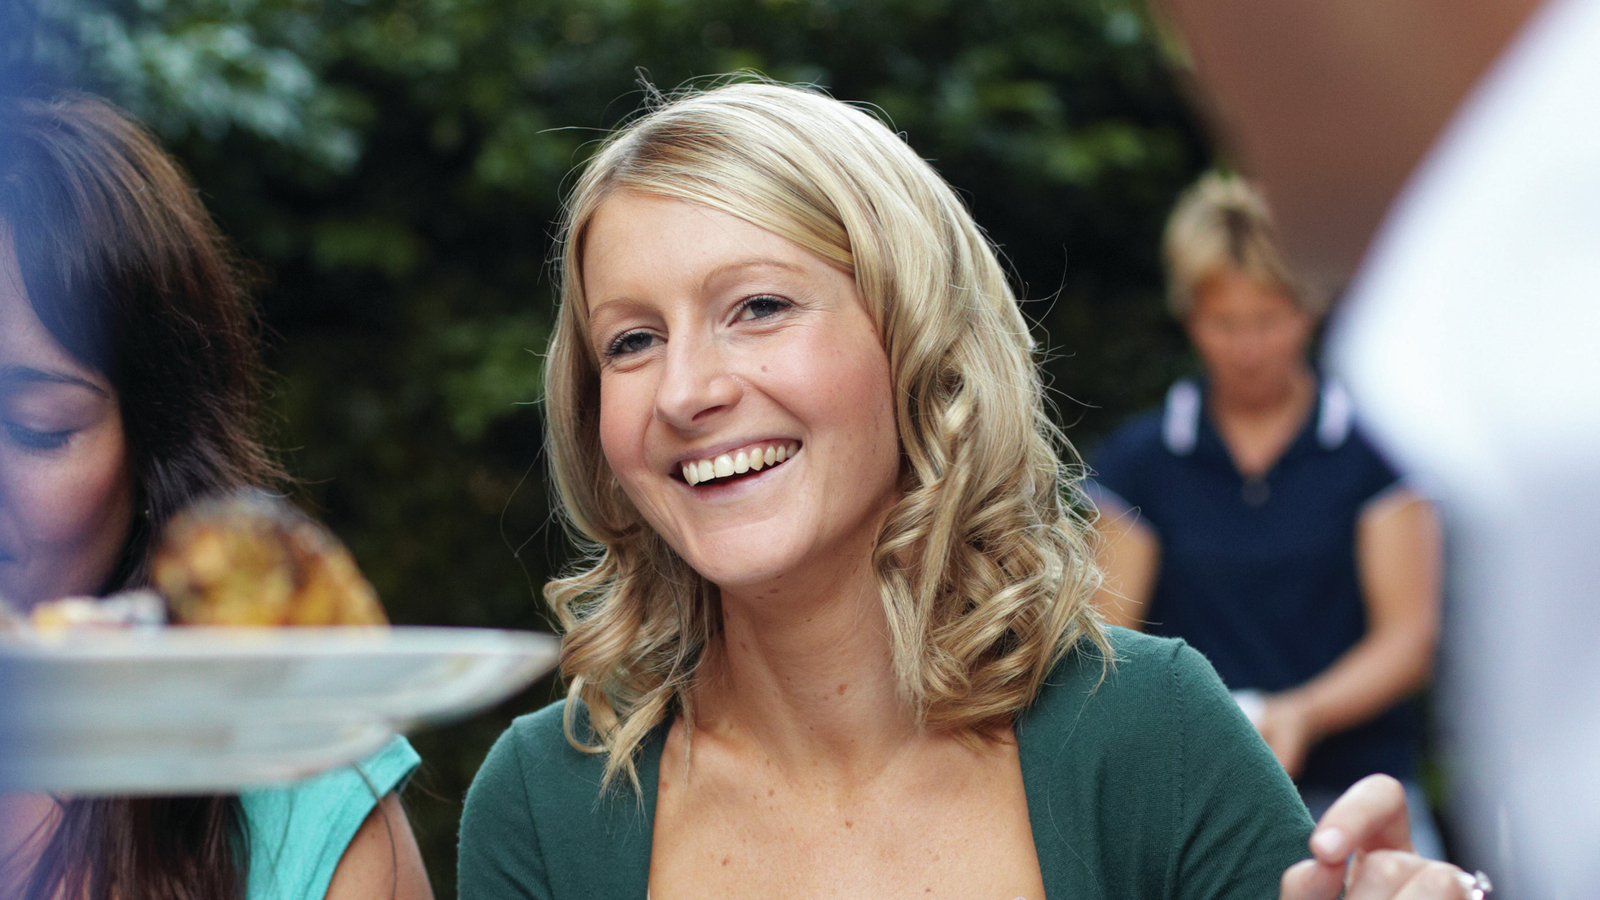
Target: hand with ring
[(1361, 849)]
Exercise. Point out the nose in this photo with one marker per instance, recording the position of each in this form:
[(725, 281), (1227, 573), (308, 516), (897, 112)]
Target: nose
[(696, 383)]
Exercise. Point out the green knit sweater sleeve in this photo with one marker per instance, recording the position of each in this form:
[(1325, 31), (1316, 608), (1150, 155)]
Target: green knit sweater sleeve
[(537, 824), (1149, 783), (499, 852), (1241, 822)]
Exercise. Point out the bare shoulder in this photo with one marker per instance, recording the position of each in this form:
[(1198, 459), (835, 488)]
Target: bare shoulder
[(382, 861)]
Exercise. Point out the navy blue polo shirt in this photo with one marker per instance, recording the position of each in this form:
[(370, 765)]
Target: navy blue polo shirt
[(1260, 574)]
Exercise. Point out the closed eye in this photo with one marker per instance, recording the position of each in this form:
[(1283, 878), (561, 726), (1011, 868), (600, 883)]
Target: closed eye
[(29, 439)]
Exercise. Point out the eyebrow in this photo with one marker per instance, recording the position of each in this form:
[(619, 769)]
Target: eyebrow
[(712, 276), (757, 263), (21, 375)]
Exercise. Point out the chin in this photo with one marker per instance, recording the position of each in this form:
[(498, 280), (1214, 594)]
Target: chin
[(746, 575), (744, 565)]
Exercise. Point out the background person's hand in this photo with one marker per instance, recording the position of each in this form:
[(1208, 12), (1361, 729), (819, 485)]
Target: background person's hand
[(1363, 847), (1285, 724)]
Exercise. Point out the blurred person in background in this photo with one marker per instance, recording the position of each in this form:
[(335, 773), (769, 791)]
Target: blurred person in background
[(1449, 156), (129, 386), (1250, 517)]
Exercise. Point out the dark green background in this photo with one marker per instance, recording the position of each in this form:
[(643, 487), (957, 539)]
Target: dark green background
[(393, 168)]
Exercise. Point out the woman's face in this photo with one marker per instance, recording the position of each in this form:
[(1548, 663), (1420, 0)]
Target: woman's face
[(1251, 337), (719, 340), (66, 493)]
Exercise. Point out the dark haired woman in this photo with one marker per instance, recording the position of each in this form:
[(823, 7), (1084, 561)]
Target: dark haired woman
[(129, 384)]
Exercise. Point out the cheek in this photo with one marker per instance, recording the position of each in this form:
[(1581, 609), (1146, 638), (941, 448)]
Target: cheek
[(1211, 346), (860, 388), (878, 405), (1288, 345), (624, 417), (73, 513)]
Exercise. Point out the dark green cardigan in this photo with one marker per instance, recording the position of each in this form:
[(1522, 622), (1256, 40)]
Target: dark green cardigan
[(1150, 784)]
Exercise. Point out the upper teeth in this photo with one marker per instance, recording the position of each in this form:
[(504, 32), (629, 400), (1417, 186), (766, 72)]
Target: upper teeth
[(737, 463)]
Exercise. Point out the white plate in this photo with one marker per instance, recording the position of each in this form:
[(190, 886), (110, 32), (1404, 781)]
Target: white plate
[(182, 710)]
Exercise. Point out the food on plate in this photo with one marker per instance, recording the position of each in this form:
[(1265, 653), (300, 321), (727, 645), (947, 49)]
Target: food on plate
[(128, 609), (242, 559), (251, 559)]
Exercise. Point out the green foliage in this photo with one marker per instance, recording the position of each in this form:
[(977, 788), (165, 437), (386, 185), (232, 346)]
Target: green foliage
[(394, 166), (207, 67), (490, 368)]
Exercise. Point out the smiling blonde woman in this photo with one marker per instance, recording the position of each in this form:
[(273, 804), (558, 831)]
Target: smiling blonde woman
[(983, 507), (795, 420)]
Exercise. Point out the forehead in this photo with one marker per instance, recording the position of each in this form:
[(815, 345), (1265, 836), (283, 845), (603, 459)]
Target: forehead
[(1229, 291), (636, 243), (29, 353)]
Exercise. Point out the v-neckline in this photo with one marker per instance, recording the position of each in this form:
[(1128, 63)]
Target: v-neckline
[(1302, 434), (649, 769)]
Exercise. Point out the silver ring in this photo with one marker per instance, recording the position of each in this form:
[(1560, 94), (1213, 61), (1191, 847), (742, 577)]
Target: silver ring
[(1477, 885)]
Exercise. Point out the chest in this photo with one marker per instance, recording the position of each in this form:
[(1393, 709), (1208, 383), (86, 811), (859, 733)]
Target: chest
[(957, 828), (1302, 512)]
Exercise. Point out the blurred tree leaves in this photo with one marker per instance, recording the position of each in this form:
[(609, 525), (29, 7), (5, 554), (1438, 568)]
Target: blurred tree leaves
[(207, 66), (394, 167)]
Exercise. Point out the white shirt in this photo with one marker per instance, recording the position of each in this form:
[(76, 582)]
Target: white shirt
[(1471, 342)]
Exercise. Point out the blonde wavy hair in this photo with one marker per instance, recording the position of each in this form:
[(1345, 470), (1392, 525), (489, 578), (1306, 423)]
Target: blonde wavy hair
[(984, 565), (1222, 222)]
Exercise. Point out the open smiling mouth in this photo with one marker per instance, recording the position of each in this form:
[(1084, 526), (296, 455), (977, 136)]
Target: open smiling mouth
[(730, 466)]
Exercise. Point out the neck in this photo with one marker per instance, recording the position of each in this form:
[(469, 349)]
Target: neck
[(1258, 427), (806, 675)]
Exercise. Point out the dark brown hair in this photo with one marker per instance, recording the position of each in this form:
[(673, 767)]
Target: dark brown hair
[(129, 273)]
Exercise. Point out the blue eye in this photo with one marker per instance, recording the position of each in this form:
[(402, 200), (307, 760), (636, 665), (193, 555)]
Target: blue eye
[(630, 342), (36, 440), (762, 306)]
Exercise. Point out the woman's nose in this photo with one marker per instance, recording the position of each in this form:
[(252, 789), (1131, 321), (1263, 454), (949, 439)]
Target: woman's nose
[(696, 384)]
